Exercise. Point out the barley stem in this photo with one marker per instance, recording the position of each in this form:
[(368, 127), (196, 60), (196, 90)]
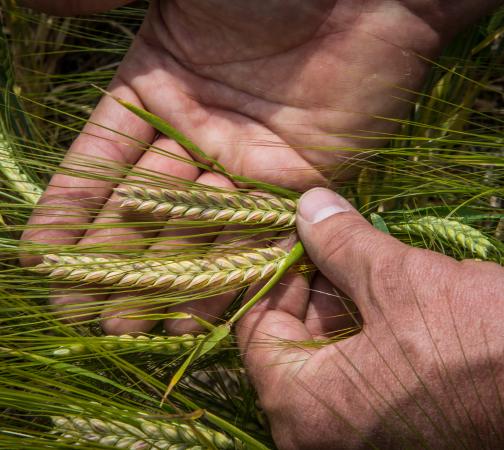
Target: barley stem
[(287, 262)]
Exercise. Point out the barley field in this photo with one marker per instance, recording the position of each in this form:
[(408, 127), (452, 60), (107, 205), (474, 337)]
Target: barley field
[(64, 380)]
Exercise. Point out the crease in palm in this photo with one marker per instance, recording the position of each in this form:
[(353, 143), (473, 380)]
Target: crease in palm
[(272, 101)]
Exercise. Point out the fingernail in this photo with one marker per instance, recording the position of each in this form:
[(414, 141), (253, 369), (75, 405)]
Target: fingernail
[(318, 204)]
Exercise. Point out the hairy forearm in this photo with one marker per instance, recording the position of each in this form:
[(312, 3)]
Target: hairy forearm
[(73, 7)]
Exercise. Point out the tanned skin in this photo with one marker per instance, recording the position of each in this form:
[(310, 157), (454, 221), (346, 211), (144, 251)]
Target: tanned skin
[(261, 86)]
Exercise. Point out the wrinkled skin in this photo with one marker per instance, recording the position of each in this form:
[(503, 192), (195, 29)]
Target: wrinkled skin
[(261, 86), (427, 369)]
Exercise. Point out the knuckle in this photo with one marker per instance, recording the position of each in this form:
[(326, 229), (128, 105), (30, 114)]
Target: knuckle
[(59, 204), (386, 269), (426, 268), (388, 281), (340, 242)]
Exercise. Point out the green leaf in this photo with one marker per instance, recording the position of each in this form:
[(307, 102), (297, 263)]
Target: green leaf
[(73, 369), (168, 130), (217, 335), (379, 223)]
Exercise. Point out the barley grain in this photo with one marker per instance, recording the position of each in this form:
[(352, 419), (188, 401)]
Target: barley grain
[(237, 208)]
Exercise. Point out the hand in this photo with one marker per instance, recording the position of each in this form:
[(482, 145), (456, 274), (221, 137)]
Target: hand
[(264, 88), (427, 367), (261, 87)]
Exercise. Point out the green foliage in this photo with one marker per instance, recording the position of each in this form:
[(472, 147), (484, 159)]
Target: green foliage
[(446, 162)]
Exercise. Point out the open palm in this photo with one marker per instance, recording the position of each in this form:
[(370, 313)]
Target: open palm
[(273, 90)]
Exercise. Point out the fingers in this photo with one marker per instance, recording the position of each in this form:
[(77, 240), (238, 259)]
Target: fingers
[(71, 199), (208, 308), (167, 166), (128, 304), (267, 336), (329, 313), (349, 251), (76, 304), (243, 146), (168, 240), (110, 232)]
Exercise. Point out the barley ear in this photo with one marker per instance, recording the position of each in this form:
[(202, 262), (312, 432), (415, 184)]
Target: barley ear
[(459, 235), (199, 273), (207, 205), (140, 434), (15, 176), (164, 345)]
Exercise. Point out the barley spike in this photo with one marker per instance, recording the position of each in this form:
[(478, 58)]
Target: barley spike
[(143, 435), (15, 175), (212, 272), (210, 205), (166, 345), (452, 231)]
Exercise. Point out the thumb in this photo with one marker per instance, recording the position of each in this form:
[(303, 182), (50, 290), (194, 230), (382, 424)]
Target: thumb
[(350, 252), (267, 337)]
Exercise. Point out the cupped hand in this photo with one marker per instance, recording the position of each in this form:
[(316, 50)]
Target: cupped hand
[(275, 91), (425, 371)]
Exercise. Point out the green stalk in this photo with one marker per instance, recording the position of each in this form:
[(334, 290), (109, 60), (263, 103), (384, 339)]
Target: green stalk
[(218, 334), (79, 371), (294, 255), (73, 369)]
